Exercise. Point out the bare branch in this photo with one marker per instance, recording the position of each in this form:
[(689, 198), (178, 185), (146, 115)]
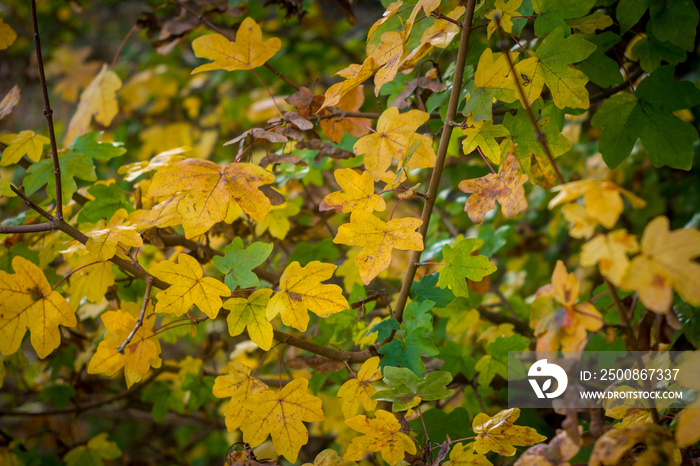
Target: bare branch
[(48, 113), (441, 155), (139, 321)]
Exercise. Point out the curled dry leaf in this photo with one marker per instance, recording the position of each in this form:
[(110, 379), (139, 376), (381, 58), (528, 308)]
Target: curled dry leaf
[(317, 363), (9, 102), (258, 133), (326, 149)]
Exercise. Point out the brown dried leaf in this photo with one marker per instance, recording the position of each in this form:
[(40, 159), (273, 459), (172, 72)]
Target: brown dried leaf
[(506, 188), (325, 149), (298, 121), (411, 86), (258, 133), (317, 363), (9, 102)]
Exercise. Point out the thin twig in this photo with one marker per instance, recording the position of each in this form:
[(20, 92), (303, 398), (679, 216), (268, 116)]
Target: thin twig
[(33, 206), (440, 159), (48, 113), (139, 321), (540, 136)]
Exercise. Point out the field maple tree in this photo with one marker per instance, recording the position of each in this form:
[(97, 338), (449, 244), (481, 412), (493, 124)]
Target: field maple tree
[(312, 231)]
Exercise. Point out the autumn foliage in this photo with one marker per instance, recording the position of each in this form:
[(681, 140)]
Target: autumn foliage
[(310, 232)]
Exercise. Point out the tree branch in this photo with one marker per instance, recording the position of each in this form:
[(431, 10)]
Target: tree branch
[(48, 113), (139, 321), (440, 160), (329, 353), (540, 136)]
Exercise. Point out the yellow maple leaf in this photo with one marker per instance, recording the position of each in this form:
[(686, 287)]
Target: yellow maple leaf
[(354, 76), (7, 35), (238, 384), (665, 263), (162, 215), (582, 226), (493, 73), (277, 220), (103, 242), (615, 447), (357, 193), (602, 199), (98, 100), (382, 434), (89, 279), (75, 71), (358, 391), (461, 455), (187, 287), (329, 457), (387, 56), (301, 291), (142, 353), (378, 239), (688, 427), (27, 302), (250, 313), (25, 143), (500, 434), (392, 139), (208, 188), (389, 13), (427, 6), (503, 14), (439, 34), (483, 134), (556, 317), (506, 187), (248, 51), (610, 253), (281, 415)]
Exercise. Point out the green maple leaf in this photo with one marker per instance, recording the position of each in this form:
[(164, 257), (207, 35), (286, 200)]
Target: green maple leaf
[(460, 266), (647, 115), (495, 361), (73, 165), (427, 289), (552, 13), (384, 328), (455, 359), (108, 199), (87, 144), (532, 157), (480, 102), (651, 52), (408, 389), (324, 250), (418, 315), (407, 352), (673, 21), (238, 263), (601, 69), (92, 454), (440, 424)]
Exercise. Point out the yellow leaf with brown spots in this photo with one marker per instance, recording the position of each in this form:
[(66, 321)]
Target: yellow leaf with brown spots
[(357, 193), (301, 290), (188, 287), (506, 187), (378, 239), (27, 302), (208, 188), (248, 51), (500, 434), (358, 391), (142, 353), (382, 434), (281, 415)]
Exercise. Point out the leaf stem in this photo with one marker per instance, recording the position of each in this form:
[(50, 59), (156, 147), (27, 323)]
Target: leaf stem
[(48, 113), (139, 321), (441, 155), (268, 92), (486, 160), (121, 46), (73, 271)]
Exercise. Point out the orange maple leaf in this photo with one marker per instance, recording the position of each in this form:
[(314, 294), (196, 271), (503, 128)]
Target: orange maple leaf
[(188, 287), (556, 317), (246, 52), (506, 188), (142, 353), (301, 291), (335, 128), (378, 239), (382, 434), (280, 415), (208, 189), (27, 302), (354, 76), (357, 193)]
